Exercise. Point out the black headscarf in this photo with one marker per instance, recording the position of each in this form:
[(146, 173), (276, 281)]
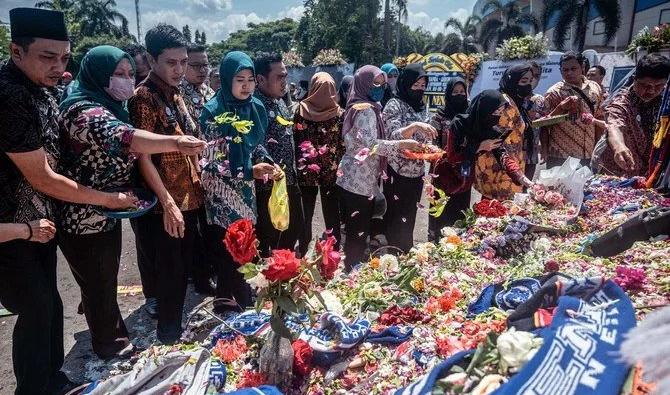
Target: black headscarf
[(408, 77), (509, 84), (478, 122), (345, 87), (448, 111)]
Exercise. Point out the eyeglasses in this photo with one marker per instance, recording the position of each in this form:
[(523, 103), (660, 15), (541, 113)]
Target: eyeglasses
[(199, 66)]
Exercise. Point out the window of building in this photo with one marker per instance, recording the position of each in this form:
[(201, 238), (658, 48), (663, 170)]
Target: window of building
[(598, 28), (664, 17)]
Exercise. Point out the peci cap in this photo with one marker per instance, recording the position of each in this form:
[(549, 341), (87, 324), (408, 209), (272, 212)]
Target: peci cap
[(38, 23)]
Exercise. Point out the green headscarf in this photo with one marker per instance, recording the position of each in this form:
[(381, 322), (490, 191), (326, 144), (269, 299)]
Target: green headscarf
[(251, 109), (97, 67)]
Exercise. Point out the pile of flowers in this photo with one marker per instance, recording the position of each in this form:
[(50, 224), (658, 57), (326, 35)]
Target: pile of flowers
[(471, 64), (420, 300), (400, 62), (550, 197), (650, 40), (292, 59), (329, 57), (526, 47)]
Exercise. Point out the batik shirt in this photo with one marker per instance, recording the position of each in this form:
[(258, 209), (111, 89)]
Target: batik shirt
[(572, 138), (279, 139), (195, 97), (28, 122), (318, 166), (360, 167), (636, 121), (95, 153), (160, 108), (397, 115)]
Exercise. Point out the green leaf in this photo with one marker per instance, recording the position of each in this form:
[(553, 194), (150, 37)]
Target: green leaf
[(277, 325), (287, 304)]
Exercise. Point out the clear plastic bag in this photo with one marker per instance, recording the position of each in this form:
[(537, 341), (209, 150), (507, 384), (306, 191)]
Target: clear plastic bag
[(569, 179)]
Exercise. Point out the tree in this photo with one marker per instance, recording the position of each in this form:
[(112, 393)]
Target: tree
[(203, 38), (186, 30), (197, 36), (275, 36), (401, 12), (466, 32), (352, 26), (452, 44), (99, 17), (511, 23), (576, 12), (86, 43), (4, 42), (413, 41)]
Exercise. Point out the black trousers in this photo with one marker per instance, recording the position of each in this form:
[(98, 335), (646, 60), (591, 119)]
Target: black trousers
[(173, 256), (28, 288), (402, 196), (230, 283), (453, 211), (94, 260), (357, 219), (330, 207), (269, 237), (145, 254), (200, 270)]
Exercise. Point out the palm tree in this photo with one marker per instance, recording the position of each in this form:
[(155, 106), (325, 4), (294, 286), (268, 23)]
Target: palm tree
[(101, 17), (509, 25), (56, 5), (576, 12), (401, 9), (466, 31)]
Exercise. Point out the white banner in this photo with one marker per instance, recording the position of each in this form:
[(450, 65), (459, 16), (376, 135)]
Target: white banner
[(492, 70)]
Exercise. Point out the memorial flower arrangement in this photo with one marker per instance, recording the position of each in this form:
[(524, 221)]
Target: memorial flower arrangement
[(292, 59), (650, 40), (526, 47), (329, 57)]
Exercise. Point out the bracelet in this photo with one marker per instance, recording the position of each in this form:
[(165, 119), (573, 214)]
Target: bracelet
[(30, 231)]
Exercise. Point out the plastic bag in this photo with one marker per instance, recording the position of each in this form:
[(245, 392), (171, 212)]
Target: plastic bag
[(569, 179), (278, 205)]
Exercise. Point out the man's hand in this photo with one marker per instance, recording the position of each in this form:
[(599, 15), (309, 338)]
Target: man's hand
[(568, 105), (265, 171), (190, 145), (624, 158), (173, 220), (43, 230)]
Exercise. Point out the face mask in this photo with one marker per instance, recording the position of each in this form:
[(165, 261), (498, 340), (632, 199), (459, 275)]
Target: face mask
[(377, 93), (459, 103), (120, 89), (393, 81), (524, 90)]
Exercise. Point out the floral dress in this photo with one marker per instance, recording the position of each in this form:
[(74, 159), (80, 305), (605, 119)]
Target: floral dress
[(319, 148), (398, 115), (497, 173), (95, 153)]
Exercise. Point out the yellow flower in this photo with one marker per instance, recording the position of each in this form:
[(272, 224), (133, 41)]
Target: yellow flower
[(284, 122), (237, 139), (374, 263), (243, 127), (418, 284), (226, 117)]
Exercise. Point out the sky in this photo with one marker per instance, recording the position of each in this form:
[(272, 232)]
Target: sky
[(219, 18)]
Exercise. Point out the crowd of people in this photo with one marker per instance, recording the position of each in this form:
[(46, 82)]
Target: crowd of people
[(210, 141)]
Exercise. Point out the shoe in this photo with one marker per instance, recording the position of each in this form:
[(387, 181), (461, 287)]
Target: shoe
[(151, 307), (61, 385)]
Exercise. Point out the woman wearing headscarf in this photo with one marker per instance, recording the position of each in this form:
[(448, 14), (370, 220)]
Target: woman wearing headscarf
[(455, 102), (490, 135), (317, 132), (98, 151), (405, 116), (392, 75), (230, 164), (365, 155), (345, 88)]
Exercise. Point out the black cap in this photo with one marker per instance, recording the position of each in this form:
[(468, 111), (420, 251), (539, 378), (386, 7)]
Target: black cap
[(38, 23)]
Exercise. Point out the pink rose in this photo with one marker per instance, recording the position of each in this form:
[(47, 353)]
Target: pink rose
[(314, 168), (305, 145)]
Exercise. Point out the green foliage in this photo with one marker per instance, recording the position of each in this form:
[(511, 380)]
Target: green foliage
[(4, 42), (576, 13), (186, 30), (87, 43), (275, 36), (511, 24)]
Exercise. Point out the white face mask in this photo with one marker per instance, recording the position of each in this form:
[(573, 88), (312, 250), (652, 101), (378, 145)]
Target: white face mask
[(121, 89)]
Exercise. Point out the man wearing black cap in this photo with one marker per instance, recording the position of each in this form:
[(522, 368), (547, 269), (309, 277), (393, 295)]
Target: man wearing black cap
[(39, 51)]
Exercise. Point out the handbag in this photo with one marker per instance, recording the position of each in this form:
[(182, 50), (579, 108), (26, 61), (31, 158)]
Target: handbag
[(454, 172)]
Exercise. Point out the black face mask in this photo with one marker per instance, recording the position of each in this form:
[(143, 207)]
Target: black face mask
[(459, 103), (416, 95), (524, 90)]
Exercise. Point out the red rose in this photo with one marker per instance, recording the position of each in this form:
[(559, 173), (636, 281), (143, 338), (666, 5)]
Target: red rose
[(551, 266), (283, 266), (302, 358), (330, 259), (490, 208), (251, 379), (240, 240)]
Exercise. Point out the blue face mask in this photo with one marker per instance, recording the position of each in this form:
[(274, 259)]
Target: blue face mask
[(377, 93)]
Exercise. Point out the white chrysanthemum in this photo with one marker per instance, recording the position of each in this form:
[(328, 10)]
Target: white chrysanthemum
[(448, 231), (258, 282), (389, 263), (516, 348)]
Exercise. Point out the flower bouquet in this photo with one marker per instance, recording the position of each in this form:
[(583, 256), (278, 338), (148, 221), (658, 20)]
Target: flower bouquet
[(329, 57), (527, 47), (292, 59), (650, 40)]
